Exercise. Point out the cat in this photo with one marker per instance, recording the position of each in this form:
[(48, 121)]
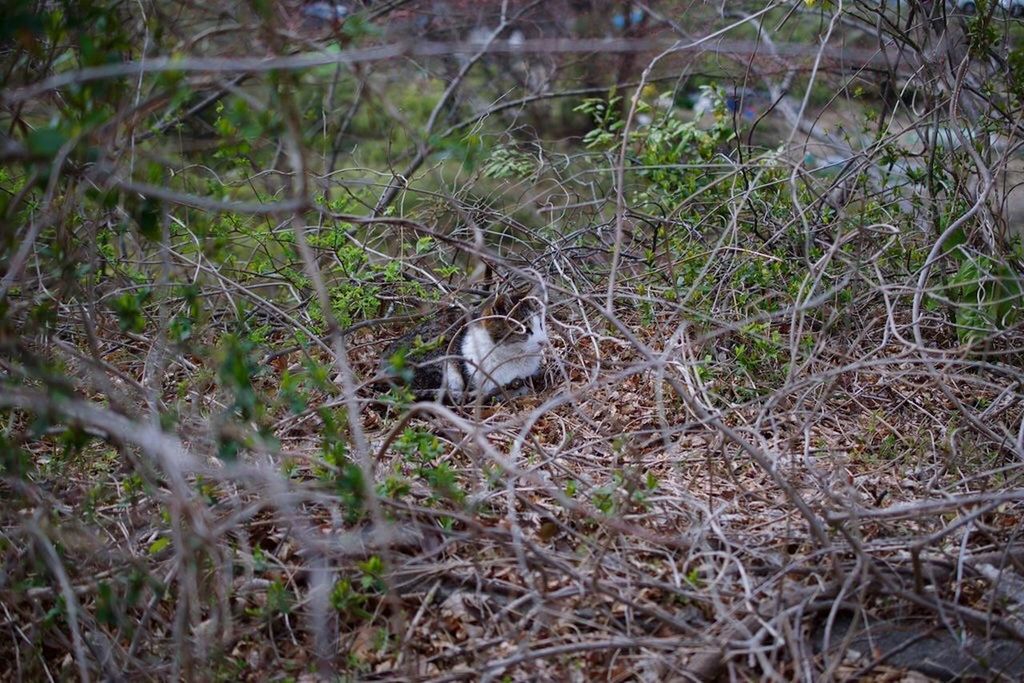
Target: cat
[(461, 355)]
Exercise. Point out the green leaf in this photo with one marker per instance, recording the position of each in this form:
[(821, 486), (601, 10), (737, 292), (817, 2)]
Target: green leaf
[(159, 544), (128, 307), (106, 608), (279, 598), (148, 218), (236, 372), (45, 142)]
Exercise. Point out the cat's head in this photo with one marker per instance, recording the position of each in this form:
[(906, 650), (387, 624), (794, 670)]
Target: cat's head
[(517, 318)]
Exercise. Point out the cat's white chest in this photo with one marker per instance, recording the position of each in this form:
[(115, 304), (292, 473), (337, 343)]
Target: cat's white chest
[(492, 366)]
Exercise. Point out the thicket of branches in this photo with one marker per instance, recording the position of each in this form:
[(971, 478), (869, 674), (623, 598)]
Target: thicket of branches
[(779, 246)]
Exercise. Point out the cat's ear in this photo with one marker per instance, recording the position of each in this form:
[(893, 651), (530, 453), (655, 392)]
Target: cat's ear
[(537, 284), (483, 278), (503, 304), (510, 300), (488, 281), (491, 306), (527, 290), (482, 281)]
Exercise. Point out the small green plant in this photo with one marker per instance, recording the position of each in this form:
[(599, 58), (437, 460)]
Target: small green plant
[(626, 492), (508, 162), (607, 120), (236, 371), (129, 308), (669, 153), (292, 392), (418, 445), (351, 597), (372, 579), (423, 449), (982, 34), (348, 601), (394, 487), (443, 481), (986, 294), (279, 599)]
